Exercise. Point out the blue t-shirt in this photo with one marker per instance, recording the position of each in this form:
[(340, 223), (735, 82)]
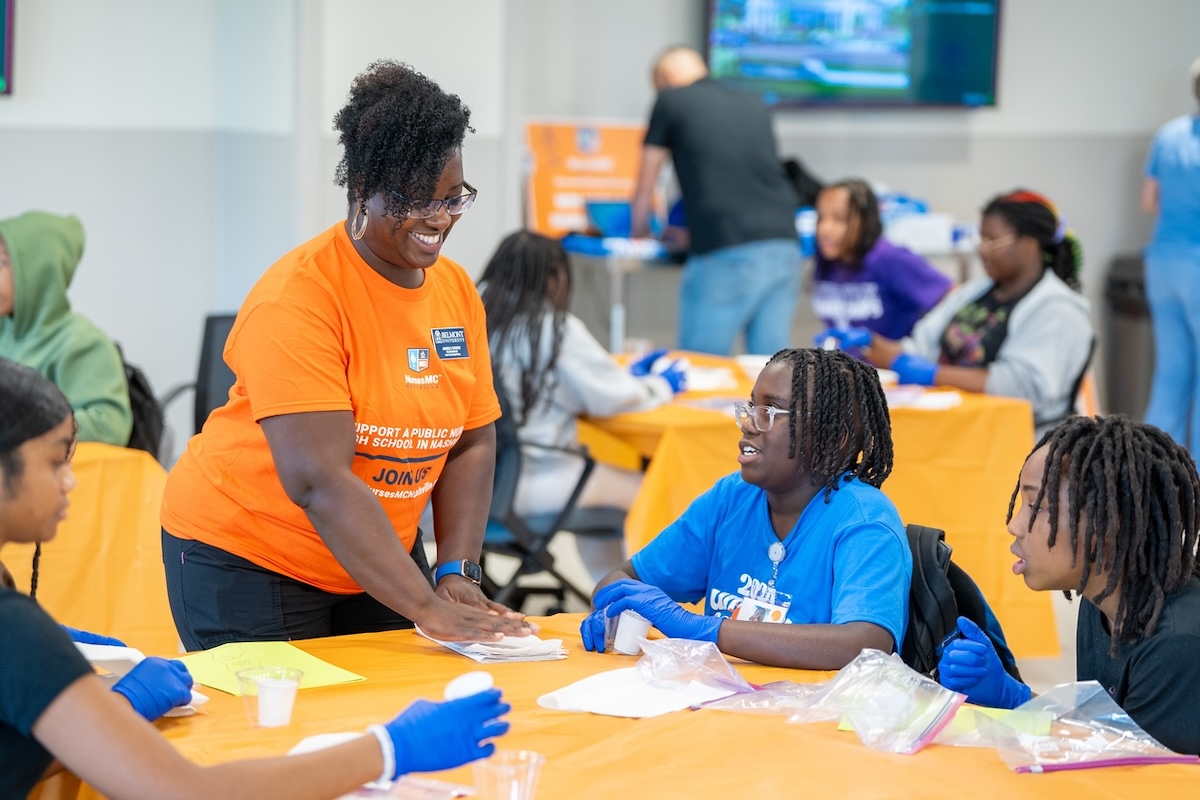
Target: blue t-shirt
[(887, 293), (846, 560), (1174, 161)]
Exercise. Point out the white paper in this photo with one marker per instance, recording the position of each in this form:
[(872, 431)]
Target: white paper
[(507, 649), (117, 661), (710, 379), (623, 693), (916, 397)]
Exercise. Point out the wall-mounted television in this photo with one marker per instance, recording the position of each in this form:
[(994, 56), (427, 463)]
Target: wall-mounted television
[(857, 53), (6, 45)]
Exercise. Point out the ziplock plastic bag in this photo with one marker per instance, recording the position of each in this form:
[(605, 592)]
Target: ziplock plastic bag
[(890, 706), (687, 661), (1087, 729), (780, 697)]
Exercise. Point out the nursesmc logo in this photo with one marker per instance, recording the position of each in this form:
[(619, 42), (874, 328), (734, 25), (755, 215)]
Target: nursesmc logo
[(418, 359)]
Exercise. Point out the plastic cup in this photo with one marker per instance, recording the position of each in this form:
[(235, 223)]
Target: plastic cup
[(508, 775), (622, 634), (269, 694)]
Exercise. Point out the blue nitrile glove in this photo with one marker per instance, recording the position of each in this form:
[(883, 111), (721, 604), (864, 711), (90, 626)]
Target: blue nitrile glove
[(84, 637), (652, 603), (642, 365), (155, 686), (428, 736), (846, 338), (970, 666), (675, 373), (914, 369)]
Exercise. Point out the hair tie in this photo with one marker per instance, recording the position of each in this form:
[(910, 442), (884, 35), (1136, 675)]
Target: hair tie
[(1060, 232)]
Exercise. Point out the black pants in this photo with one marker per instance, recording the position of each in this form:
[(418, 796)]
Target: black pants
[(217, 597)]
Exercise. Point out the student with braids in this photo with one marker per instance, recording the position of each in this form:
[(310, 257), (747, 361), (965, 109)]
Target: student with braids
[(553, 371), (1023, 330), (1108, 508), (801, 534), (862, 279), (363, 392), (55, 712)]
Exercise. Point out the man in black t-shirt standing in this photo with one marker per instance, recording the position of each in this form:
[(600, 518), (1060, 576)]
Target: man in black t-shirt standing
[(743, 269)]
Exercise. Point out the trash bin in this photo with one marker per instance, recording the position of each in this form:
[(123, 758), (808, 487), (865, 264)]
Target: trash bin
[(1128, 338)]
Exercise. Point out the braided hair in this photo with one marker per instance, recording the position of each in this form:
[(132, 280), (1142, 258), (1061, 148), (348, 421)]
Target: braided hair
[(847, 430), (1138, 494), (1031, 214), (398, 130), (32, 406), (515, 287), (864, 207)]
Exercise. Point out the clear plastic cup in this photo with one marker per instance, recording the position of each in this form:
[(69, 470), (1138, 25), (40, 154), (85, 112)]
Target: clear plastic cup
[(623, 634), (269, 694), (508, 775)]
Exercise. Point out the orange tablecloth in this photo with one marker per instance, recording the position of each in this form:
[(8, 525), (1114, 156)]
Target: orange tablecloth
[(954, 469), (692, 754), (103, 572)]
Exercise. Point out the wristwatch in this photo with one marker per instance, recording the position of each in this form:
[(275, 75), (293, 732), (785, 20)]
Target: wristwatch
[(468, 569)]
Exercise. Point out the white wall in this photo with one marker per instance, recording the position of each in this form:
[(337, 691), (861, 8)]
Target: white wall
[(194, 137)]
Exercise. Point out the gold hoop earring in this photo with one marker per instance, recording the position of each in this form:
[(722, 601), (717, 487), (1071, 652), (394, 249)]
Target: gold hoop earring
[(356, 230)]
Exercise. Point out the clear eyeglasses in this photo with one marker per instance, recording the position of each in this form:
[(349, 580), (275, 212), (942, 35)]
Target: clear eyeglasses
[(454, 205), (986, 243), (763, 417)]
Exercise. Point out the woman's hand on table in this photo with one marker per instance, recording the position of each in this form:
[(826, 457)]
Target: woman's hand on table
[(452, 621), (457, 589)]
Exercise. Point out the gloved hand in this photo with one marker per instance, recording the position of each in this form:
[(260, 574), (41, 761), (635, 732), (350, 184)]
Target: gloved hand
[(155, 686), (846, 338), (913, 369), (970, 666), (642, 365), (433, 736), (652, 603), (84, 637), (674, 373)]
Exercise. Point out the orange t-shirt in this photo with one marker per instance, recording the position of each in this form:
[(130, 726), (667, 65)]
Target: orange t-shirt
[(322, 331)]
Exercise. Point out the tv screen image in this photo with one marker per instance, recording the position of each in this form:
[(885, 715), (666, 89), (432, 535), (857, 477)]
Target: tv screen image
[(857, 52)]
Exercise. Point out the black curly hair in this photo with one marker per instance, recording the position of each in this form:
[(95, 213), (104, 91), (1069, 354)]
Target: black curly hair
[(847, 427), (1031, 214), (514, 290), (398, 130), (1138, 496)]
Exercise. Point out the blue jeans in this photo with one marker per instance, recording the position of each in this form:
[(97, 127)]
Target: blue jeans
[(1173, 290), (749, 288)]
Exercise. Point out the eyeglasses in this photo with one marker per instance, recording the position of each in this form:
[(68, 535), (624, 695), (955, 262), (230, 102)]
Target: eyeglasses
[(987, 243), (763, 417), (424, 209)]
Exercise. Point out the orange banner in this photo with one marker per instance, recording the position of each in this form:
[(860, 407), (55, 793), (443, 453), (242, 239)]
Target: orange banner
[(573, 162)]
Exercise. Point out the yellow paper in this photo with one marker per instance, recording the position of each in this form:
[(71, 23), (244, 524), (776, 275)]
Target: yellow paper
[(218, 667)]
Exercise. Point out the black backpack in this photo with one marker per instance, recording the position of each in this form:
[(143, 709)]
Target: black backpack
[(942, 592), (148, 419)]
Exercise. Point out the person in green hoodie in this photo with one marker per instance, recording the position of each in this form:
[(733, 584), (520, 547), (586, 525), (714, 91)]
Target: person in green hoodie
[(39, 253)]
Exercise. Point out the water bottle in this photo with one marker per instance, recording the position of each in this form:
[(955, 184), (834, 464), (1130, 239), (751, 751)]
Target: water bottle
[(806, 230)]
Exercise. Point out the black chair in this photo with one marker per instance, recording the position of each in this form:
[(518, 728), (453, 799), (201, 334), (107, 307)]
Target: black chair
[(941, 592), (527, 537), (213, 377)]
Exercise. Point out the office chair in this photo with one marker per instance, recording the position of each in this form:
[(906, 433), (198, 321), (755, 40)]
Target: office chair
[(527, 537), (213, 377)]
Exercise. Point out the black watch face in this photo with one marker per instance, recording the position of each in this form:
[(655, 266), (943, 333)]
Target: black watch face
[(472, 571)]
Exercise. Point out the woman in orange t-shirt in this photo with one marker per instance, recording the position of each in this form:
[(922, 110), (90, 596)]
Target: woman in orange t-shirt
[(363, 392)]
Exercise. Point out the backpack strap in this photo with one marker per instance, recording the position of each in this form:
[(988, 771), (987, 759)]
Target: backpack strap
[(933, 610)]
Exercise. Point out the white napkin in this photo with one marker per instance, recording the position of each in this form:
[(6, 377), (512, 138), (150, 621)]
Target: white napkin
[(510, 648), (623, 693), (117, 661), (916, 397)]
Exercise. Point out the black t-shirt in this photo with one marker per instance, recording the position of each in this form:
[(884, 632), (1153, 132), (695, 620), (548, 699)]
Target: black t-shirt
[(734, 187), (1155, 680), (975, 334), (37, 662)]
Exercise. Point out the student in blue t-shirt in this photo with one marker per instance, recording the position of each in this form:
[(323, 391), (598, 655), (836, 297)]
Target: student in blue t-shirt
[(801, 534), (862, 279)]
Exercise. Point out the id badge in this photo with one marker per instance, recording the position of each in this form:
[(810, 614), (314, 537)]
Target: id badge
[(761, 611)]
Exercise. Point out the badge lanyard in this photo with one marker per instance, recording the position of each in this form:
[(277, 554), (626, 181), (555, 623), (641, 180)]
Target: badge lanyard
[(776, 552)]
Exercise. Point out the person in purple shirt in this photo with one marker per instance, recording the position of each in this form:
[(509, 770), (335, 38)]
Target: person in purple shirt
[(860, 278)]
